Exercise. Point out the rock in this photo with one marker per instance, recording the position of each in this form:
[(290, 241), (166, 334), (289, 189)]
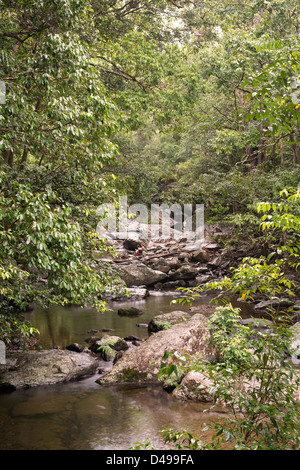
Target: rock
[(212, 246), (92, 339), (93, 332), (138, 292), (205, 309), (107, 354), (142, 364), (173, 263), (294, 350), (76, 347), (295, 317), (184, 257), (129, 312), (195, 386), (142, 325), (172, 285), (114, 342), (118, 356), (35, 368), (297, 305), (274, 302), (257, 323), (131, 244), (203, 279), (167, 320), (163, 268), (133, 293), (132, 338), (185, 273), (214, 263), (199, 256), (202, 269), (158, 264), (138, 274)]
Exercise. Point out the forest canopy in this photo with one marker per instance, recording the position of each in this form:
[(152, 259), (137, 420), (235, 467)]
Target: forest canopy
[(163, 100)]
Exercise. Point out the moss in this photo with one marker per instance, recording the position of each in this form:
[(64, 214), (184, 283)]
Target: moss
[(131, 375), (129, 311), (163, 325)]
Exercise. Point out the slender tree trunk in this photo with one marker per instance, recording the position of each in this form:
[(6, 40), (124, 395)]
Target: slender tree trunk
[(260, 153), (24, 157), (296, 156), (9, 157), (281, 151), (249, 154)]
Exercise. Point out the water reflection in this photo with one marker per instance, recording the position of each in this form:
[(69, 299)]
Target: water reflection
[(85, 415), (60, 326)]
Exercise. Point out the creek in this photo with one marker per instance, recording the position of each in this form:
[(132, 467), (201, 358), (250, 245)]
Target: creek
[(84, 415)]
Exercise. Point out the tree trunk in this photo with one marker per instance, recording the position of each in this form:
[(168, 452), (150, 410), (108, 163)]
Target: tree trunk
[(24, 157), (9, 157), (281, 151), (296, 157)]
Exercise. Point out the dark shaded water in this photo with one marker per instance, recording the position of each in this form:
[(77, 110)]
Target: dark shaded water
[(84, 415), (60, 326)]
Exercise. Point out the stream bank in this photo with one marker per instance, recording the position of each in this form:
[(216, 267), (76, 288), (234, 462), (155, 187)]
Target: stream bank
[(165, 264), (94, 410)]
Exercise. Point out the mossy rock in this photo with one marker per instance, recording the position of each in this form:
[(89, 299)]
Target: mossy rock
[(167, 320), (132, 375), (114, 342), (130, 312), (107, 353)]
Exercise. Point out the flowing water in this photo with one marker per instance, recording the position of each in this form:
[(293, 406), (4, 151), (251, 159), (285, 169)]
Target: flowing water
[(84, 415)]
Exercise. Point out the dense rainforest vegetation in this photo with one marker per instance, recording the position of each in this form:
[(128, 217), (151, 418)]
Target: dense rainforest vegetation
[(185, 101), (162, 100)]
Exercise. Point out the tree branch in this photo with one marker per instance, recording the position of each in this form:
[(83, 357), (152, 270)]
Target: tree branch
[(119, 72)]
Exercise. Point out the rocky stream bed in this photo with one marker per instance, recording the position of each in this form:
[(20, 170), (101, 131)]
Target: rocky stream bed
[(164, 266)]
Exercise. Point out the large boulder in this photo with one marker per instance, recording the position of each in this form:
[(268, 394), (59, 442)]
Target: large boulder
[(142, 364), (185, 272), (131, 244), (195, 386), (199, 256), (138, 274), (133, 293), (130, 312), (198, 386), (26, 369), (167, 320)]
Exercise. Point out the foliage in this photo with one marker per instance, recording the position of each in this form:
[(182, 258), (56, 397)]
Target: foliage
[(255, 276), (255, 381), (229, 339), (266, 416), (55, 108), (182, 439), (14, 330), (173, 367), (142, 446), (252, 376), (42, 251), (164, 100), (277, 90), (286, 217), (106, 351)]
